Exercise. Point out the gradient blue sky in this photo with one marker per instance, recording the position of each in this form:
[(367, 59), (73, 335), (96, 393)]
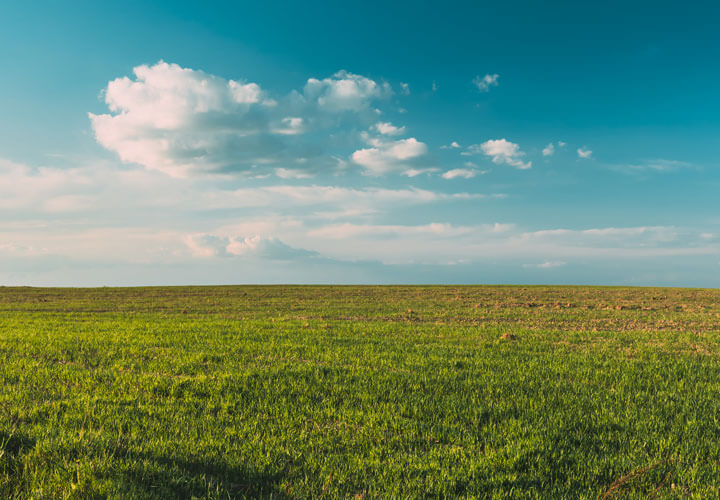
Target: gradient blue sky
[(512, 142)]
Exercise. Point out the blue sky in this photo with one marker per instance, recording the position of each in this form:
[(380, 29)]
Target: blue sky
[(513, 142)]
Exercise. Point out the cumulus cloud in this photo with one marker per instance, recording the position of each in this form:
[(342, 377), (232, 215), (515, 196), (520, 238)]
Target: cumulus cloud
[(183, 121), (345, 91), (385, 156), (206, 245), (290, 126), (452, 145), (404, 88), (584, 153), (483, 83), (501, 151)]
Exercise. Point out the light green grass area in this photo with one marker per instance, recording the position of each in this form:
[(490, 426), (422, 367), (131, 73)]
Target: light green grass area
[(296, 392)]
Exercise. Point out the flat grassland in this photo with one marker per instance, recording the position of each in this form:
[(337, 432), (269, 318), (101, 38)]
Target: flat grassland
[(361, 392)]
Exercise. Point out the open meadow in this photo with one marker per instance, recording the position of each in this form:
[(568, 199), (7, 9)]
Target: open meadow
[(347, 391)]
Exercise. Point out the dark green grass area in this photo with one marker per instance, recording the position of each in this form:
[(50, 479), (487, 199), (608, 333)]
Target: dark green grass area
[(231, 392)]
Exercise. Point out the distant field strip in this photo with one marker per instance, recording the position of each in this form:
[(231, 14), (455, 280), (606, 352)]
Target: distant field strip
[(360, 392)]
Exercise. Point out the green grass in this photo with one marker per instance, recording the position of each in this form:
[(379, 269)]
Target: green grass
[(226, 392)]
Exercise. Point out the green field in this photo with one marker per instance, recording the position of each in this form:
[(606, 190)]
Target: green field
[(361, 392)]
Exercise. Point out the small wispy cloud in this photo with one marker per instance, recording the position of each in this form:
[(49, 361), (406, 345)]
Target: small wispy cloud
[(463, 173), (548, 264), (549, 150), (658, 165), (584, 153), (483, 83), (414, 172), (387, 128), (288, 173)]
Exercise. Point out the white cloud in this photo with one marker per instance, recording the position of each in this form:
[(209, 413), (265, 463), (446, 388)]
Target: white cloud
[(389, 156), (404, 88), (656, 165), (290, 126), (548, 150), (346, 230), (414, 172), (485, 82), (182, 121), (286, 173), (460, 173), (248, 93), (439, 242), (47, 190), (345, 91), (204, 245), (608, 237), (501, 151), (96, 215), (387, 128), (548, 264), (584, 153), (96, 190), (360, 201), (452, 145)]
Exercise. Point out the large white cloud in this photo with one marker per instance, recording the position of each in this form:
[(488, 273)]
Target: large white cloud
[(183, 121)]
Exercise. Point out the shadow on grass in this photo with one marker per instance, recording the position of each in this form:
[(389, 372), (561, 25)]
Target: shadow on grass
[(12, 448), (12, 443), (153, 476)]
